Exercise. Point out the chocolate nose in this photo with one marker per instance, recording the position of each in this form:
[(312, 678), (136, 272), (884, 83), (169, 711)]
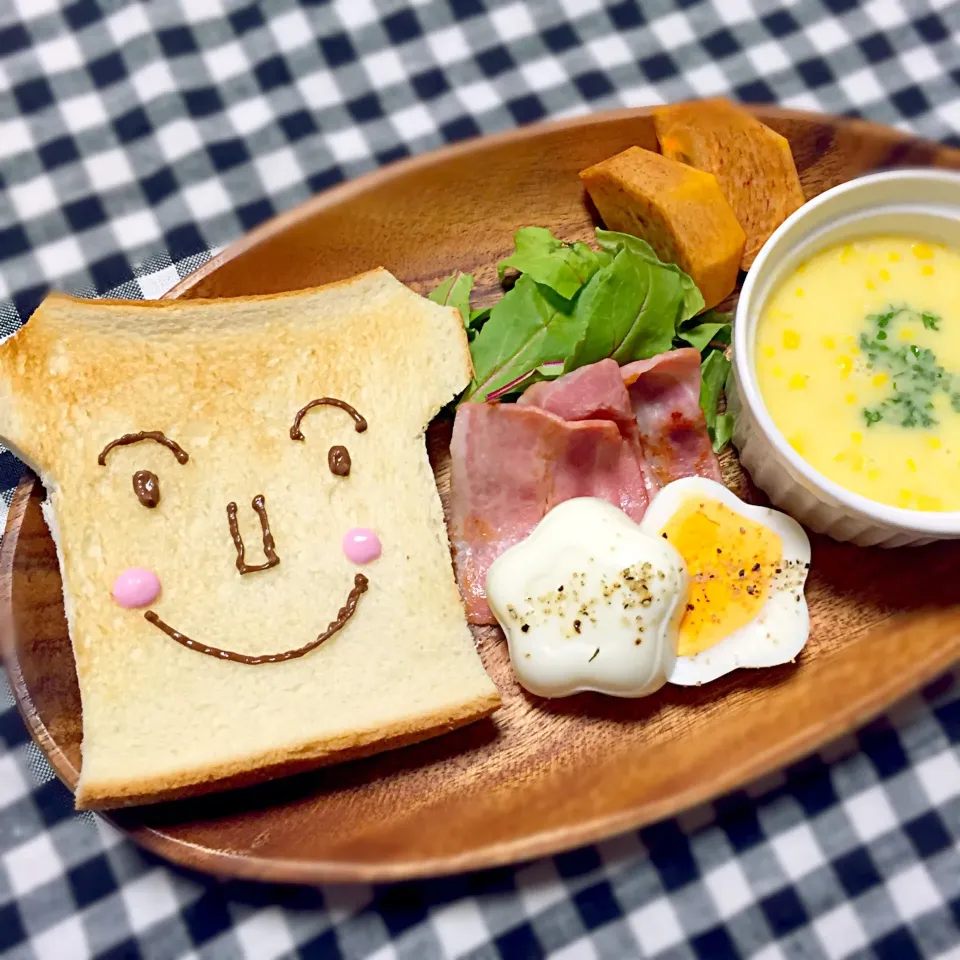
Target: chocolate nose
[(269, 547)]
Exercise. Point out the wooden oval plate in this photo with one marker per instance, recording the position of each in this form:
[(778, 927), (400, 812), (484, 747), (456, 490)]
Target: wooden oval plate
[(540, 776)]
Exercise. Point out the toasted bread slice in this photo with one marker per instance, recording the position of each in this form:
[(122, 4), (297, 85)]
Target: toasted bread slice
[(224, 379)]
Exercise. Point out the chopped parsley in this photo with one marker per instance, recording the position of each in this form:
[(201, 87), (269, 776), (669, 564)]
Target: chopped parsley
[(915, 375)]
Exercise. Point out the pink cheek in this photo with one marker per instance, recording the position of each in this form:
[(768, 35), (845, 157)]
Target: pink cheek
[(361, 545), (136, 587)]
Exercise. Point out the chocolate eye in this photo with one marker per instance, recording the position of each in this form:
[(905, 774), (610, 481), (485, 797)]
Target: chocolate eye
[(146, 486), (338, 459)]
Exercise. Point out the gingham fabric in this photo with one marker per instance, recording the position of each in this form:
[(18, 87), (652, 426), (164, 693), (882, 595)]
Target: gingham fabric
[(134, 138)]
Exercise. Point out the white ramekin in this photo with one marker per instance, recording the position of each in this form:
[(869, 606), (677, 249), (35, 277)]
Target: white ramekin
[(916, 203)]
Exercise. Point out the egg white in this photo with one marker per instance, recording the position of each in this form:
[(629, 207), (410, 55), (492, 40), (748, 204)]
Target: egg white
[(782, 625), (585, 544)]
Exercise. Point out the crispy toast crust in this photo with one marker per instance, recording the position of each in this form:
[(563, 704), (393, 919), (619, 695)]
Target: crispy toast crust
[(108, 795)]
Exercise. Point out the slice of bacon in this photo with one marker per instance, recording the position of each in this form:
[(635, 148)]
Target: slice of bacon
[(601, 431), (665, 395), (510, 465), (595, 392)]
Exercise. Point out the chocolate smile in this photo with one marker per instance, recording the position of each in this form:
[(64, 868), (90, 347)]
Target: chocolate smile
[(360, 584)]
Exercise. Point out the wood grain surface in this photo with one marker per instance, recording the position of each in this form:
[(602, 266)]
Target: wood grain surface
[(540, 776)]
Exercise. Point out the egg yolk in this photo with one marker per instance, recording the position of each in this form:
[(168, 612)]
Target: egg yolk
[(729, 560)]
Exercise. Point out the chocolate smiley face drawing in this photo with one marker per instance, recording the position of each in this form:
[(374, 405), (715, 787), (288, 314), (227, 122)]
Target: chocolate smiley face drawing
[(217, 474), (137, 587)]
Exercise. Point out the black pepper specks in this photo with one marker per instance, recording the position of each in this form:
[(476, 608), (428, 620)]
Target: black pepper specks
[(594, 657), (576, 626), (525, 628)]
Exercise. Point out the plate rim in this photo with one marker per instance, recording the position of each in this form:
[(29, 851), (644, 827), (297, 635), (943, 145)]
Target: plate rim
[(379, 175), (531, 846)]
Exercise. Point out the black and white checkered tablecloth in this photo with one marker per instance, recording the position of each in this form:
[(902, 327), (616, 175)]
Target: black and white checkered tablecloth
[(136, 137)]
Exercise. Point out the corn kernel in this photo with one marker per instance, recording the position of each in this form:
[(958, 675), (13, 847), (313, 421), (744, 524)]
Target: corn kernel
[(856, 462), (778, 371), (797, 382), (847, 254), (873, 474), (791, 339), (851, 398), (856, 436), (796, 441), (905, 497), (799, 291), (871, 285), (927, 270), (846, 365), (840, 457), (879, 379), (893, 256), (768, 352), (907, 333), (929, 503), (911, 465), (934, 443), (884, 275), (922, 252), (829, 342)]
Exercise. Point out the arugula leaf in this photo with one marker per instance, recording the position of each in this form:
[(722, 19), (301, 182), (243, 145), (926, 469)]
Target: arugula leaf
[(477, 319), (611, 241), (713, 377), (628, 310), (563, 267), (710, 327), (722, 431), (572, 306), (454, 292), (531, 325)]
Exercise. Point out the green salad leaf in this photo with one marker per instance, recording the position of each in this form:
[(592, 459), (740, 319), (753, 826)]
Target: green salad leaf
[(530, 326), (691, 301), (477, 319), (454, 292), (713, 377), (563, 267), (628, 312), (573, 305), (707, 331), (632, 306)]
